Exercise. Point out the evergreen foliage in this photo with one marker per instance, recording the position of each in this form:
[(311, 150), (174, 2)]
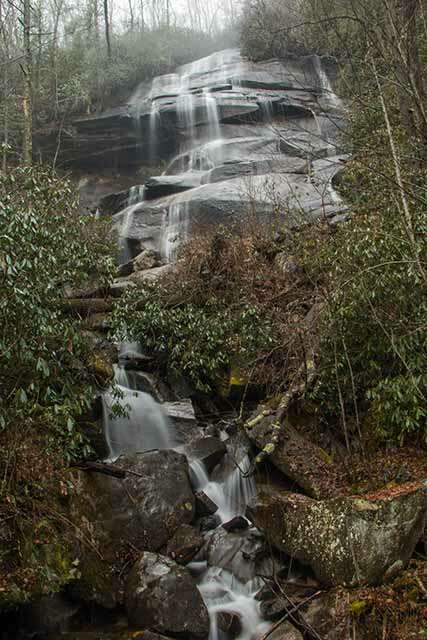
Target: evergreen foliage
[(45, 375)]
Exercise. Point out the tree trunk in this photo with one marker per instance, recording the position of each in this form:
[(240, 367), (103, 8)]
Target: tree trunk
[(27, 107), (142, 15), (168, 14), (5, 117), (132, 17), (107, 29), (412, 96), (5, 92)]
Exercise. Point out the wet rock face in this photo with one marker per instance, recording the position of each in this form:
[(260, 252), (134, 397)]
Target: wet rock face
[(244, 554), (347, 541), (163, 597), (250, 134), (141, 511), (204, 505), (185, 544), (209, 451)]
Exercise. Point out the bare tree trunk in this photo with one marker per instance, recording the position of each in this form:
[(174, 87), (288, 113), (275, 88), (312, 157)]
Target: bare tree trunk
[(5, 117), (142, 15), (168, 14), (107, 29), (54, 52), (95, 9), (132, 17), (27, 107), (5, 92), (412, 96)]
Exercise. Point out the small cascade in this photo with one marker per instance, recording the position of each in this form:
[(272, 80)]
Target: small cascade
[(153, 129), (133, 421), (125, 253), (220, 589), (175, 228), (136, 195), (332, 99), (186, 112), (141, 425), (232, 494), (199, 159), (214, 130), (267, 109), (223, 593)]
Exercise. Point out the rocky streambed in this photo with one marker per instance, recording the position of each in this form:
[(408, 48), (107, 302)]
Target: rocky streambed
[(176, 532)]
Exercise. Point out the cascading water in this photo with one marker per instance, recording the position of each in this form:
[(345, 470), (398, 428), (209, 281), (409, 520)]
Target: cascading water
[(133, 421), (267, 109), (153, 128), (136, 195), (125, 253), (175, 228), (140, 425), (214, 129), (185, 104), (231, 495), (333, 100), (222, 591), (224, 594)]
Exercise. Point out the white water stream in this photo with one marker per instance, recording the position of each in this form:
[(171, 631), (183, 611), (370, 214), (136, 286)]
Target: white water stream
[(147, 427)]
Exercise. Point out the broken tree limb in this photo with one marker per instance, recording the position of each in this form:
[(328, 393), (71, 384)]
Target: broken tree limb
[(87, 306), (100, 467), (302, 381), (290, 614)]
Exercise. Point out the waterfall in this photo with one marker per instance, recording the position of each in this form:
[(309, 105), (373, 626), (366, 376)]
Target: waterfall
[(214, 130), (333, 100), (141, 425), (221, 590), (175, 227), (223, 593), (136, 195), (267, 110), (232, 494), (186, 112), (133, 421), (153, 129), (125, 253)]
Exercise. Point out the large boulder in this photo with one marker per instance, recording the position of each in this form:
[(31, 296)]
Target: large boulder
[(185, 544), (181, 414), (209, 451), (113, 516), (50, 614), (244, 554), (295, 456), (163, 597), (347, 541)]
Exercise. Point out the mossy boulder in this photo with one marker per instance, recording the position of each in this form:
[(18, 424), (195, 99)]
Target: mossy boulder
[(347, 541), (295, 456), (115, 518)]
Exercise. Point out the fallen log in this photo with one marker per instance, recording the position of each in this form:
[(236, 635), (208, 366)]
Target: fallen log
[(101, 467), (87, 306)]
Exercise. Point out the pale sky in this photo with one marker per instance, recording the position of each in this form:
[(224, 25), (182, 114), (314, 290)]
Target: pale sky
[(181, 10)]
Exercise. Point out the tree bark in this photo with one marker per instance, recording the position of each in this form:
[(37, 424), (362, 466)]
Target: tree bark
[(27, 107), (107, 29), (412, 95), (132, 17)]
